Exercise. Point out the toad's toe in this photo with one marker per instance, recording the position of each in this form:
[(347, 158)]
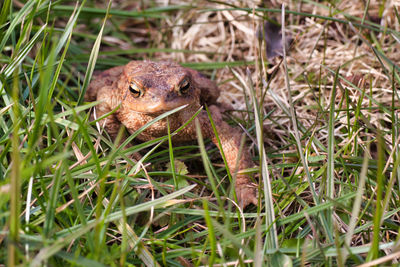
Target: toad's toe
[(246, 194)]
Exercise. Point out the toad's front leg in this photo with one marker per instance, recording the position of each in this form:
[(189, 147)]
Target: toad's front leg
[(230, 138), (107, 103)]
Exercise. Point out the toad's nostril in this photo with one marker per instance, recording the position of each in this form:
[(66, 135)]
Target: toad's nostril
[(170, 97)]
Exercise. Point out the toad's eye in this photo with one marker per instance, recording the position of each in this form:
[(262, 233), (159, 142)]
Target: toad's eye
[(135, 90), (184, 86)]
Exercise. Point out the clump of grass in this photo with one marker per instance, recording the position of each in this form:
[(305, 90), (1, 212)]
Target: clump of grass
[(322, 123)]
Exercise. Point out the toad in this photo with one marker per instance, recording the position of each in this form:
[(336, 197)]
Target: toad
[(142, 90)]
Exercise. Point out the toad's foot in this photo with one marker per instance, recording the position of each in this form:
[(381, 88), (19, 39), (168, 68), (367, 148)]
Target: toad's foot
[(246, 191), (230, 143)]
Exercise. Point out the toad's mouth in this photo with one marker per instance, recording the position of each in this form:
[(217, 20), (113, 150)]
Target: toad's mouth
[(160, 107)]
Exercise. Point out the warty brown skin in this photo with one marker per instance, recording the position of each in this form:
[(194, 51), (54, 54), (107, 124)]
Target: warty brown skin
[(146, 89)]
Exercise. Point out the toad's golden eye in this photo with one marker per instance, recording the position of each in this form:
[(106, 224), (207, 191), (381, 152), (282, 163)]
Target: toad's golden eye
[(135, 90), (184, 86)]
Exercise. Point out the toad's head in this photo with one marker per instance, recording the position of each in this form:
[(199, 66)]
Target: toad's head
[(156, 87)]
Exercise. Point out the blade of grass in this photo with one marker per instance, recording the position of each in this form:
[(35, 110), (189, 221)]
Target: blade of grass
[(61, 41), (19, 17), (271, 243), (330, 183), (42, 108), (232, 239), (280, 222), (356, 206), (216, 65), (54, 196), (378, 213), (5, 11), (49, 251), (230, 177), (296, 133), (210, 228), (146, 13), (20, 57), (205, 160), (93, 57), (79, 260), (135, 242), (15, 189), (171, 157), (67, 34), (161, 202)]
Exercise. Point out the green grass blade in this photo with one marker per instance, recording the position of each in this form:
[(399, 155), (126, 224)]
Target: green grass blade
[(211, 233), (206, 163), (15, 184), (5, 11), (63, 42), (271, 242), (23, 53), (19, 17), (49, 251), (162, 202), (356, 206), (93, 57), (330, 181), (171, 156), (147, 13), (378, 213)]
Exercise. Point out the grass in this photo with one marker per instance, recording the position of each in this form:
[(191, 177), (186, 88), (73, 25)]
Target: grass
[(321, 122)]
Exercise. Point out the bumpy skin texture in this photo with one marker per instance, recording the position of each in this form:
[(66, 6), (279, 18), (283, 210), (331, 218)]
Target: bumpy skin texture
[(146, 89)]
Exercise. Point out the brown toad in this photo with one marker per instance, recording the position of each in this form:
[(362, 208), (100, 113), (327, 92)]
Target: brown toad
[(146, 89)]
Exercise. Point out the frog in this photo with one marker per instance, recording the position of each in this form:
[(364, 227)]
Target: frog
[(140, 91)]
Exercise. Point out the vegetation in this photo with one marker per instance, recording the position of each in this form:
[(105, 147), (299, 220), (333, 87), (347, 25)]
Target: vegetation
[(322, 121)]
